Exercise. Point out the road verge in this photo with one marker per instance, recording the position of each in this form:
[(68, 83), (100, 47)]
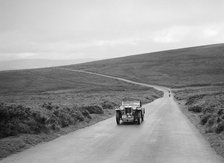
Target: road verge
[(204, 108)]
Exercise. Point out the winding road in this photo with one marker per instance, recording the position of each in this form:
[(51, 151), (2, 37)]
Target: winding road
[(165, 136)]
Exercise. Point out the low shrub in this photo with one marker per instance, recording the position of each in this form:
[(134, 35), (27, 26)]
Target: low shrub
[(64, 117), (222, 117), (220, 127), (14, 119), (211, 121), (220, 112), (77, 115), (50, 106), (85, 113), (17, 119), (193, 99), (93, 109), (195, 109), (204, 119), (37, 123), (209, 110), (210, 125), (53, 122), (108, 105)]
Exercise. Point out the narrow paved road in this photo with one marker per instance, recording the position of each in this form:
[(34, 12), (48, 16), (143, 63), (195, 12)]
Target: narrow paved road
[(165, 136)]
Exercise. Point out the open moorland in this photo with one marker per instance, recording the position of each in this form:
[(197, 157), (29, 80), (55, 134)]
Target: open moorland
[(43, 103), (196, 66), (39, 105)]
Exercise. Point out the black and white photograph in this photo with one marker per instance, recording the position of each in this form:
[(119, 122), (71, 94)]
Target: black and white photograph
[(111, 81)]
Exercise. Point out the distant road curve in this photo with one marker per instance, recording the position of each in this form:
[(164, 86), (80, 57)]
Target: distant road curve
[(161, 88), (166, 136)]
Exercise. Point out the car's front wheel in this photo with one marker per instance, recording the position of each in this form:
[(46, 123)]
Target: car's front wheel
[(142, 117), (118, 118)]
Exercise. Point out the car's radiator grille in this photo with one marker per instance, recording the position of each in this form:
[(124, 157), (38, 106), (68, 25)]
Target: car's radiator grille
[(128, 110)]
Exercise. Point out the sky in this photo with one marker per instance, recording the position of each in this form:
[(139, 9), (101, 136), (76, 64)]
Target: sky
[(99, 29)]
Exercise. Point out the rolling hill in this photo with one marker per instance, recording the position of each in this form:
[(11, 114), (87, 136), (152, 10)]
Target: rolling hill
[(192, 66), (202, 65)]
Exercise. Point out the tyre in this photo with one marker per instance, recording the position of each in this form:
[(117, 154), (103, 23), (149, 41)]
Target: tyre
[(118, 118), (139, 120), (142, 117)]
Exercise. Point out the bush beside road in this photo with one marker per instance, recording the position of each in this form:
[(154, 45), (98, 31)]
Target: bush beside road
[(205, 108)]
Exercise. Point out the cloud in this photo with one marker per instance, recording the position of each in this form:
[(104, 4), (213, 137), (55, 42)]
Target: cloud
[(70, 45), (188, 33), (19, 55), (211, 31), (165, 38), (63, 49), (105, 29), (26, 55), (127, 41), (171, 34)]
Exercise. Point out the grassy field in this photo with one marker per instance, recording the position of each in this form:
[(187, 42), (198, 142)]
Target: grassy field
[(197, 66), (39, 105), (205, 108)]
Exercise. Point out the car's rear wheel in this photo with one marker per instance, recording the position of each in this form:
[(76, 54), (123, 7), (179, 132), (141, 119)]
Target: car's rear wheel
[(118, 118)]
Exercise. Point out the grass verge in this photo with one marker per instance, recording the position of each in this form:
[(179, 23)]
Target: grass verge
[(205, 108)]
